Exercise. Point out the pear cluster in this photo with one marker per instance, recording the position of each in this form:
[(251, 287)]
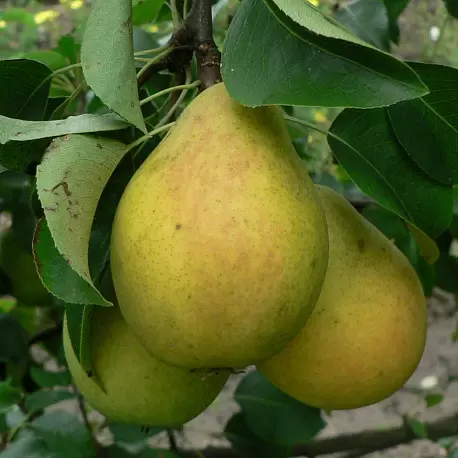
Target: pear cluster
[(224, 254)]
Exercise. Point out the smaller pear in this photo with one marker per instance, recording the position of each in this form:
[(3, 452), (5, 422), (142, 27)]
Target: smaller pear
[(139, 389), (367, 332)]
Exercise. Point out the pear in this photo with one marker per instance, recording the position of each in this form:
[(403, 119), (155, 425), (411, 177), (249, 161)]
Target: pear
[(219, 245), (367, 332), (139, 389)]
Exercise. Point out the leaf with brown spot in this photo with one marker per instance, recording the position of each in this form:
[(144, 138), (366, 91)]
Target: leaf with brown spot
[(79, 167)]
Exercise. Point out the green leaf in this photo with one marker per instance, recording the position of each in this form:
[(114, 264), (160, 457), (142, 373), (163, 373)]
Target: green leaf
[(365, 145), (53, 104), (55, 272), (454, 226), (23, 156), (15, 419), (70, 181), (18, 130), (3, 425), (85, 349), (78, 321), (389, 223), (270, 59), (44, 398), (99, 245), (51, 59), (9, 396), (433, 399), (47, 379), (452, 7), (417, 427), (64, 434), (396, 229), (242, 438), (274, 416), (310, 17), (24, 89), (69, 49), (394, 9), (14, 252), (16, 260), (145, 11), (433, 142), (107, 58), (15, 189), (425, 270), (453, 453), (7, 304), (20, 15), (34, 319), (13, 341), (143, 41), (447, 442), (367, 19), (447, 273), (131, 434)]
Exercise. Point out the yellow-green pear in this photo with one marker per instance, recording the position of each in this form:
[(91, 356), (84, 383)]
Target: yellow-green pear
[(139, 389), (367, 333), (219, 245)]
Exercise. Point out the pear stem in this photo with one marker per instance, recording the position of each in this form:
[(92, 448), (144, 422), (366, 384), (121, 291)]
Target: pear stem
[(76, 92), (185, 8), (174, 107), (200, 23), (168, 90), (146, 137), (65, 69), (193, 37), (152, 51), (154, 60), (175, 14)]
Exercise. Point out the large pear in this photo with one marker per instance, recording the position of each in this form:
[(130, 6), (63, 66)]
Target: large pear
[(367, 333), (139, 389), (219, 245)]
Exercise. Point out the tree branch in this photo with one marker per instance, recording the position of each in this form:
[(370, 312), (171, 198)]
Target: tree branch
[(361, 443), (82, 409), (194, 36), (173, 442), (178, 59), (200, 22), (180, 79)]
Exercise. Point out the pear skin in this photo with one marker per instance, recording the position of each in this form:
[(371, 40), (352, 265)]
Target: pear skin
[(367, 333), (139, 389), (219, 245)]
